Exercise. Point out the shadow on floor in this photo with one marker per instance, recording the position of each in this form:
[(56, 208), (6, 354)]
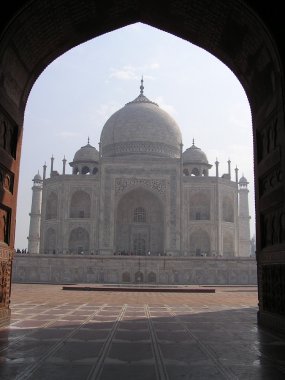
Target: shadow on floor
[(103, 341)]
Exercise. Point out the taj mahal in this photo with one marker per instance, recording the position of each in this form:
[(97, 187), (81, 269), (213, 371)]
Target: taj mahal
[(140, 194)]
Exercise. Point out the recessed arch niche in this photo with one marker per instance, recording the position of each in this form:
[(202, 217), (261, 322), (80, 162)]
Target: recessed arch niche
[(139, 223)]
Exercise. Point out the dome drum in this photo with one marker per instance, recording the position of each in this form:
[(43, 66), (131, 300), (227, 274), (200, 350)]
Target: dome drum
[(140, 148), (85, 169), (196, 170)]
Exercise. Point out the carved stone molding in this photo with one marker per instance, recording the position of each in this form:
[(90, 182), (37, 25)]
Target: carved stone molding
[(6, 257), (267, 139), (271, 180), (8, 135), (6, 180), (273, 228), (5, 220)]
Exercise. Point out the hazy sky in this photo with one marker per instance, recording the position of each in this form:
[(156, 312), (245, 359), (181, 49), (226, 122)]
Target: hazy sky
[(78, 92)]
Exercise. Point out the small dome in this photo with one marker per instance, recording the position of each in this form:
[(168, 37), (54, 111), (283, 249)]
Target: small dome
[(194, 155), (141, 127), (243, 180), (37, 177), (86, 153)]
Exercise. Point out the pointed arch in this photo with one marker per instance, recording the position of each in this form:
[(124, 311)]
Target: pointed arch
[(52, 206)]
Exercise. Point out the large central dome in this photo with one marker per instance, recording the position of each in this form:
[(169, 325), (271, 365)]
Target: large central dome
[(141, 127)]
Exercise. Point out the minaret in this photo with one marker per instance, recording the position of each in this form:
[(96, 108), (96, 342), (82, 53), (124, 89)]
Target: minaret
[(244, 219), (236, 170), (217, 167), (35, 216), (44, 171), (229, 168), (51, 165), (64, 162)]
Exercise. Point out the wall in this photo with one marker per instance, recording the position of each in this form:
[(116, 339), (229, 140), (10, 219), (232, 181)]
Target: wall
[(164, 270)]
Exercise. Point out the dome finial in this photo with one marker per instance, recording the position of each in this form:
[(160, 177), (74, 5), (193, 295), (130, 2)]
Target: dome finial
[(193, 142), (141, 86), (88, 140)]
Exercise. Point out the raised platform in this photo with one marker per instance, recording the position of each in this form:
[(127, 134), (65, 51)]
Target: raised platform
[(139, 288), (134, 270)]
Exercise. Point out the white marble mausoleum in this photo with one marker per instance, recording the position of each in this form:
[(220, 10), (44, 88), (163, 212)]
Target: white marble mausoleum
[(140, 194)]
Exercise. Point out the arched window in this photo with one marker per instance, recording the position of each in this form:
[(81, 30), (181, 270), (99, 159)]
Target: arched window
[(51, 206), (85, 170), (139, 277), (186, 172), (139, 215), (80, 205), (195, 172)]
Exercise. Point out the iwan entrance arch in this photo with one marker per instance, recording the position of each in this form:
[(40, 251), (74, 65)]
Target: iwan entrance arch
[(34, 33)]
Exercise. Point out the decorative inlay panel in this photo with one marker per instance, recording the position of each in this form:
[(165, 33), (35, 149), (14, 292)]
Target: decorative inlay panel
[(124, 184)]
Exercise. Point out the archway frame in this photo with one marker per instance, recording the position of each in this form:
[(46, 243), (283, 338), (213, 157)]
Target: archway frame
[(34, 34)]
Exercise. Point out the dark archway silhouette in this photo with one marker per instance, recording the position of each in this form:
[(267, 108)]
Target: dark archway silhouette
[(248, 40)]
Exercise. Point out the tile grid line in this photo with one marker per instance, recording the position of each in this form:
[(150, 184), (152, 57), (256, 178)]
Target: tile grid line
[(97, 368), (32, 368), (36, 314), (159, 362), (227, 373), (32, 331)]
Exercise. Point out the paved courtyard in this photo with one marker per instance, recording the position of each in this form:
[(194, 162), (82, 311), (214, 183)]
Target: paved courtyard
[(59, 334)]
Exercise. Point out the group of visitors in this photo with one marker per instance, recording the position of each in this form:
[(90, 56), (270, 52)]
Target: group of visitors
[(24, 251), (131, 253)]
